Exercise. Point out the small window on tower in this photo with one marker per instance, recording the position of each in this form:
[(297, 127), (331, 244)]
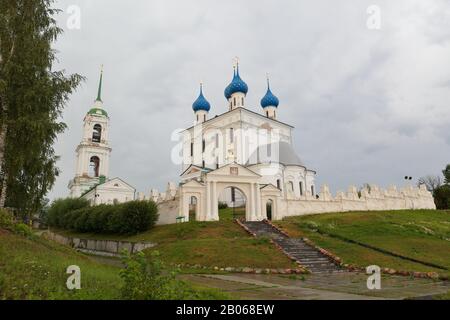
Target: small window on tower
[(242, 102), (94, 167), (97, 134), (192, 149)]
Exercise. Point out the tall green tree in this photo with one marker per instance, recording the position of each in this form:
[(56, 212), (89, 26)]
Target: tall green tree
[(446, 173), (32, 97)]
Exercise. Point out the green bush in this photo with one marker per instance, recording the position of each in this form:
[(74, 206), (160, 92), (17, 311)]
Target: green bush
[(128, 218), (23, 230), (442, 197), (137, 216), (223, 205), (148, 279), (6, 219), (56, 216)]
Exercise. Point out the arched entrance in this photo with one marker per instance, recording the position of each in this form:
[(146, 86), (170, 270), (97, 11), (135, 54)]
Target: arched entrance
[(232, 204), (269, 209)]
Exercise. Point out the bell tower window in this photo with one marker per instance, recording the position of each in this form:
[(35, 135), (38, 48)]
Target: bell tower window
[(94, 167), (97, 134)]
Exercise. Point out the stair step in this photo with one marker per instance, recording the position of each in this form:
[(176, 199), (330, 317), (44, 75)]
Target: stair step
[(305, 254)]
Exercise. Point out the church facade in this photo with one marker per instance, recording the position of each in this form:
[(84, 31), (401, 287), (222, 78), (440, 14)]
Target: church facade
[(251, 154)]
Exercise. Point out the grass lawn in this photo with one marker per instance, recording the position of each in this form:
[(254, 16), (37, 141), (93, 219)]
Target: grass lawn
[(222, 244), (422, 235), (35, 269)]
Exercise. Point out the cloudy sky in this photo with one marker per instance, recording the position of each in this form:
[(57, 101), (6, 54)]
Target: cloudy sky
[(368, 105)]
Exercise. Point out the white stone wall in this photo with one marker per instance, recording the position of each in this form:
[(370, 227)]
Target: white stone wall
[(409, 198)]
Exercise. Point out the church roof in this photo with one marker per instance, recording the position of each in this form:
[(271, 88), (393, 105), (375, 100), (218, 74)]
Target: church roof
[(98, 112), (269, 100), (236, 85), (242, 109), (201, 103), (285, 155)]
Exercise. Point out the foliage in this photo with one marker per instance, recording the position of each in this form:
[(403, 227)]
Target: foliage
[(128, 218), (431, 182), (223, 205), (23, 230), (442, 197), (57, 213), (6, 219), (148, 279), (446, 173), (32, 98)]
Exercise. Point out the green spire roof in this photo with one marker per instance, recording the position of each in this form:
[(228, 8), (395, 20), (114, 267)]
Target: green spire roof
[(99, 94)]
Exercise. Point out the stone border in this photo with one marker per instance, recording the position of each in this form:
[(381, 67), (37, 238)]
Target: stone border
[(352, 267), (247, 270), (112, 248)]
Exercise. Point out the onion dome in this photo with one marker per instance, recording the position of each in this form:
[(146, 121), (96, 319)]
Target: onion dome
[(201, 103), (269, 100), (237, 85)]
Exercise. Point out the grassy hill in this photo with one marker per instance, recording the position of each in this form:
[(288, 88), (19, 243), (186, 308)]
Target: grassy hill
[(36, 269), (222, 244), (422, 235)]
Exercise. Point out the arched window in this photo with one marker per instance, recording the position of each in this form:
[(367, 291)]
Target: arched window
[(234, 101), (291, 186), (242, 102), (301, 188), (94, 167), (97, 133)]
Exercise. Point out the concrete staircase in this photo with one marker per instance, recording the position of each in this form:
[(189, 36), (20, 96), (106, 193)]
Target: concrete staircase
[(308, 256)]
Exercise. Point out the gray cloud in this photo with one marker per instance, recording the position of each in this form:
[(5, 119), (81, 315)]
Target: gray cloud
[(368, 105)]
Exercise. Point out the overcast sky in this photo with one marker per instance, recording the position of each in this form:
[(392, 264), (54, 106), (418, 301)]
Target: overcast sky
[(368, 105)]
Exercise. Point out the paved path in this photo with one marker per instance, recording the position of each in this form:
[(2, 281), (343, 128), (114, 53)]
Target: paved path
[(336, 286)]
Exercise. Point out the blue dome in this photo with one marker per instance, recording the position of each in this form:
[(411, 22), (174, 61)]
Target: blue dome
[(237, 85), (270, 100), (201, 103)]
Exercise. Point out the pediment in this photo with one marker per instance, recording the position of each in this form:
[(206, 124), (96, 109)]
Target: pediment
[(234, 169)]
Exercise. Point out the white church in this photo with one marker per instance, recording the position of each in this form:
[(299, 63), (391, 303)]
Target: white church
[(240, 157)]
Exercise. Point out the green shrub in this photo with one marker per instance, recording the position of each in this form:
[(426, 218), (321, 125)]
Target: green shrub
[(23, 230), (148, 279), (128, 218), (56, 216), (136, 216), (6, 219), (223, 205), (442, 197)]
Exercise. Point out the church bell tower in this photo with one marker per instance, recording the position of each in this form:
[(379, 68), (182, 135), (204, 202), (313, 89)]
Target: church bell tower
[(93, 153)]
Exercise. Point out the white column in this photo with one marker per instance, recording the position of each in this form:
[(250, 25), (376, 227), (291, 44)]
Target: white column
[(208, 201), (258, 203), (252, 203), (215, 204)]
